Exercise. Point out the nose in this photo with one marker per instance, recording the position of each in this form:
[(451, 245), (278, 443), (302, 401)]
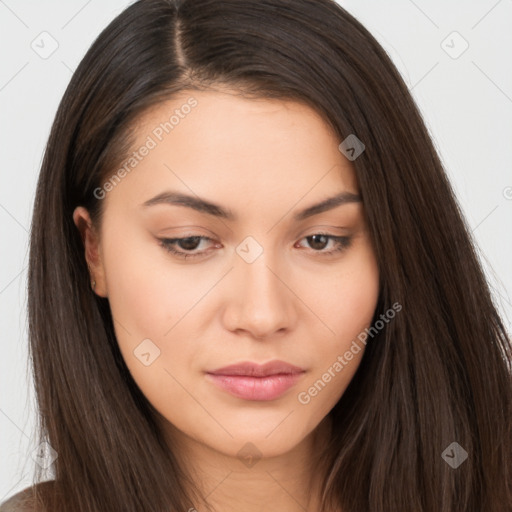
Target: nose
[(260, 301)]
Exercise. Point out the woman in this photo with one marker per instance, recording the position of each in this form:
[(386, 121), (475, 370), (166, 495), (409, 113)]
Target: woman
[(251, 286)]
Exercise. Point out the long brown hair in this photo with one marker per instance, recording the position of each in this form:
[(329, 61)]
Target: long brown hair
[(439, 373)]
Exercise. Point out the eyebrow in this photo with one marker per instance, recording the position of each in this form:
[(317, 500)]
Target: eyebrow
[(203, 206)]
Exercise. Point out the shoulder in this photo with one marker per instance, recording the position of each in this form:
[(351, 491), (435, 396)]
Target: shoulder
[(28, 500)]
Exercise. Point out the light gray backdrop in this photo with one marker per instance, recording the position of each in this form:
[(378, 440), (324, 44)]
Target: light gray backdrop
[(456, 57)]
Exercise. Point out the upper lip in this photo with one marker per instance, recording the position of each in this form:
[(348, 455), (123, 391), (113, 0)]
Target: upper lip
[(258, 370)]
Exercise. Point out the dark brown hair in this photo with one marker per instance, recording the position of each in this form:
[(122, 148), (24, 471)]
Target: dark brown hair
[(439, 373)]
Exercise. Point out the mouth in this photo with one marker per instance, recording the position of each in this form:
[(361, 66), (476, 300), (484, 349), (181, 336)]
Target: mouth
[(252, 381)]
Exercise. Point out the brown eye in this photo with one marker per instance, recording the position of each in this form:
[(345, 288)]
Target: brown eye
[(319, 241), (185, 244), (189, 244)]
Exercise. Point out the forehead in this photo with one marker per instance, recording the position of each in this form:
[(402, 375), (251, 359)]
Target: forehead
[(221, 143)]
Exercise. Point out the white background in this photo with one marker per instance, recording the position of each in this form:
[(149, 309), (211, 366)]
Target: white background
[(466, 102)]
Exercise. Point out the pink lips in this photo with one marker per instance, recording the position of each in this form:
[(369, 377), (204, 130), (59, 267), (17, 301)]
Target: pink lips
[(252, 381)]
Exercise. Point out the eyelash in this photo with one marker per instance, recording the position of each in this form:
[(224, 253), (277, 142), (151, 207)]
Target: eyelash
[(342, 243)]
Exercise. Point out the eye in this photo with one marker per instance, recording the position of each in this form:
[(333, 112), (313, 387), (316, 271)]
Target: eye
[(189, 243), (319, 241), (183, 247)]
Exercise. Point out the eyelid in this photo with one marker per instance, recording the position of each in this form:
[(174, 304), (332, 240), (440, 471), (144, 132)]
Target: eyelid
[(168, 244), (323, 229)]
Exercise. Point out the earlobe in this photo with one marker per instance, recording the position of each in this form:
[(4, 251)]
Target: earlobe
[(92, 250)]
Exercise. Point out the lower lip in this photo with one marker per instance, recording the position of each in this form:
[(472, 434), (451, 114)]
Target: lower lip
[(256, 388)]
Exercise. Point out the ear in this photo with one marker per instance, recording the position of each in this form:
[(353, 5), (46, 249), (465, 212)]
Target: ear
[(92, 246)]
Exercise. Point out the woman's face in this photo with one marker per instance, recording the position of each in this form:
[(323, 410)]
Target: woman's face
[(255, 286)]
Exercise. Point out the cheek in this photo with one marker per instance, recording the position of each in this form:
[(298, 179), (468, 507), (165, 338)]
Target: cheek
[(148, 294), (345, 297), (346, 302), (155, 305), (147, 301), (147, 305)]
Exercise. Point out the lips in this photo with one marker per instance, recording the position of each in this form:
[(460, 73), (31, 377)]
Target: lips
[(252, 381), (258, 370)]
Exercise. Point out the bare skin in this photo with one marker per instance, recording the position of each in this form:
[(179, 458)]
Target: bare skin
[(265, 161)]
